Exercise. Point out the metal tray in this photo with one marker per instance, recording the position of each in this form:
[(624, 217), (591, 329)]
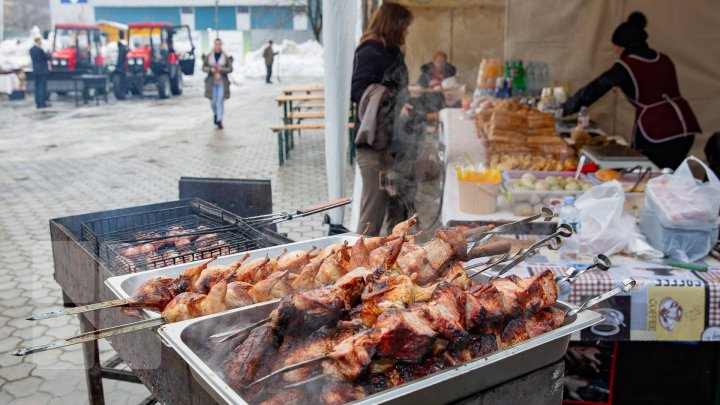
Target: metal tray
[(188, 339), (124, 286)]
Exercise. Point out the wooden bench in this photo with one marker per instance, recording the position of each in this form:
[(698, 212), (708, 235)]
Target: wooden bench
[(285, 139), (309, 106), (312, 88)]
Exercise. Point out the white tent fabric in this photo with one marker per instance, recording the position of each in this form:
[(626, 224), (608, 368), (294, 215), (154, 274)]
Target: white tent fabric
[(339, 44)]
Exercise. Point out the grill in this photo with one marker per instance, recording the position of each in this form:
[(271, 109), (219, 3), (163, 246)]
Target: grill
[(187, 231)]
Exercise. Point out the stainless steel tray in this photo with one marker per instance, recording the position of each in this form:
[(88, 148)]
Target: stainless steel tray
[(188, 339), (124, 286)]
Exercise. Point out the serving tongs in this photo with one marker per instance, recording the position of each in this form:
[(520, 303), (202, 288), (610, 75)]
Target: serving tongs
[(259, 221), (644, 173), (552, 242), (482, 234)]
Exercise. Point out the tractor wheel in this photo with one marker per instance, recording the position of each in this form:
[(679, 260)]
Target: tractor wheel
[(176, 85), (119, 87), (163, 86)]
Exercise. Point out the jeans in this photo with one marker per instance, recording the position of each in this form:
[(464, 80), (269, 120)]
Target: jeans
[(218, 99), (40, 91), (269, 73)]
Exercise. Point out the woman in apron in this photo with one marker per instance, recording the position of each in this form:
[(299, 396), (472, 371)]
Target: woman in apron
[(665, 125)]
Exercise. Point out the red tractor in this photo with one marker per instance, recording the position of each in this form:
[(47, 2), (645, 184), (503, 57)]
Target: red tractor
[(75, 51), (76, 48), (159, 54)]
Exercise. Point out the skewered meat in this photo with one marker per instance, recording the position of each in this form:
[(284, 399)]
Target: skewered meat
[(336, 393), (297, 260), (334, 267), (306, 278), (275, 286), (286, 397), (189, 305), (296, 349), (211, 275), (245, 360)]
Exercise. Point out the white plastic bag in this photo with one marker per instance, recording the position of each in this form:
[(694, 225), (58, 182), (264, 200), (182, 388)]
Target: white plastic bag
[(602, 227), (682, 201)]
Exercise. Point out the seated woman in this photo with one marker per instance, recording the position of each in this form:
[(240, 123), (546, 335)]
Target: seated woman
[(433, 73)]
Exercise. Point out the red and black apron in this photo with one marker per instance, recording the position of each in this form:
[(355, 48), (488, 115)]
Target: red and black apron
[(661, 113)]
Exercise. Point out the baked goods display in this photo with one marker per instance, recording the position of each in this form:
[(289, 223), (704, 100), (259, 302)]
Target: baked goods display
[(519, 137)]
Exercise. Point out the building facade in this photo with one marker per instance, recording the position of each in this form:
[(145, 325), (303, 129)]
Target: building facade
[(257, 20)]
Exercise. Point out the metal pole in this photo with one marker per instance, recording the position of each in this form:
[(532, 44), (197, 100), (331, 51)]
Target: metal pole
[(217, 33), (2, 20)]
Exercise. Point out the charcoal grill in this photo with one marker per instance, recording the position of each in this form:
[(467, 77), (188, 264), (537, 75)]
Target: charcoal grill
[(218, 233)]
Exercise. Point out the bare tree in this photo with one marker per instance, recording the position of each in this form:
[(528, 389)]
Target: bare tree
[(21, 15), (315, 14)]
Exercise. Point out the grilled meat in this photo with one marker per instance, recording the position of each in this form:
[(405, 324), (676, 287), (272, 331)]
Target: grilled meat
[(337, 393), (334, 267), (211, 275), (295, 261), (245, 360), (191, 305)]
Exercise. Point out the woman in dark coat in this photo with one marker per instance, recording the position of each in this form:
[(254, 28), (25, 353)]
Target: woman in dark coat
[(665, 126), (379, 59)]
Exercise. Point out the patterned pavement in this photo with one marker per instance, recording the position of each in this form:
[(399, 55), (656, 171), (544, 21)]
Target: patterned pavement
[(66, 161)]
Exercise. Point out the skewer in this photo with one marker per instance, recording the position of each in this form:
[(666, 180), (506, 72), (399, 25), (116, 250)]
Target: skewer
[(600, 261), (546, 213), (564, 230), (307, 381), (628, 284), (235, 332), (290, 368), (99, 305), (488, 265), (94, 335)]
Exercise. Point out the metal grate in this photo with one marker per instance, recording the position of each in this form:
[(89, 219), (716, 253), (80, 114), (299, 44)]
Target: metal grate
[(141, 241)]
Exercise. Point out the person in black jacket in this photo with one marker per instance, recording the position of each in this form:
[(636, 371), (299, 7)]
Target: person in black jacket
[(665, 126), (41, 70), (379, 59)]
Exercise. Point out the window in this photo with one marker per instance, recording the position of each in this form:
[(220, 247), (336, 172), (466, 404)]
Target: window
[(186, 10), (243, 10)]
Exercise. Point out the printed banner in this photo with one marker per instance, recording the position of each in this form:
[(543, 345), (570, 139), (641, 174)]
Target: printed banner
[(676, 313)]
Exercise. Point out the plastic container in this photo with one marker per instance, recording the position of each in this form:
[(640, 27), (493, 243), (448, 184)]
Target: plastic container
[(687, 245), (570, 215), (529, 202), (478, 198)]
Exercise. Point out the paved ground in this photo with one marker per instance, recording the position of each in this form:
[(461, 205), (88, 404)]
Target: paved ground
[(65, 161)]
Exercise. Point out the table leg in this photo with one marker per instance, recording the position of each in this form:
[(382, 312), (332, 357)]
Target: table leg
[(280, 147), (76, 93), (93, 374)]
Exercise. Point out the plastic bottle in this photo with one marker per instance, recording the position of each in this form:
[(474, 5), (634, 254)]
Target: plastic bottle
[(583, 118), (569, 214), (531, 81), (519, 79)]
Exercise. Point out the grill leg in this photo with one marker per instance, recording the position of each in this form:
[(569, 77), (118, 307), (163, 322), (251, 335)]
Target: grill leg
[(93, 374)]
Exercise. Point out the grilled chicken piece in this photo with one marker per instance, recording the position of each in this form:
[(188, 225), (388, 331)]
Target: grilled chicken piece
[(338, 393), (540, 291), (394, 292), (544, 321), (297, 260), (191, 305), (248, 272), (185, 281), (275, 286), (306, 279), (245, 360), (211, 275), (155, 292), (403, 227), (359, 254), (238, 295), (334, 267)]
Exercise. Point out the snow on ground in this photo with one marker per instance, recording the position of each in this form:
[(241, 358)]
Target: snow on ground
[(293, 60)]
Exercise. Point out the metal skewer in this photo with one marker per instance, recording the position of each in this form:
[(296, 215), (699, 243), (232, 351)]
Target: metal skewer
[(94, 335), (564, 231), (478, 238), (290, 368), (600, 261), (78, 310), (487, 265), (235, 332), (628, 284)]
